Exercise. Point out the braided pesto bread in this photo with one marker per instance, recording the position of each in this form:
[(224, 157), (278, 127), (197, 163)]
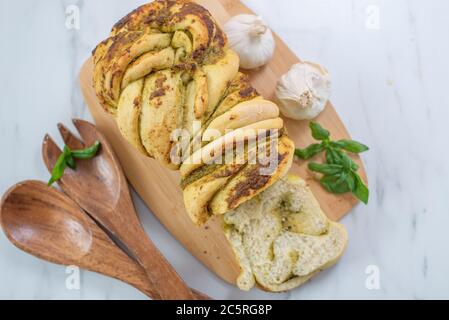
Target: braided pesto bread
[(166, 66)]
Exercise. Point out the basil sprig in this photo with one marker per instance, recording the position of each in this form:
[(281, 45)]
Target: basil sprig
[(339, 171), (67, 159)]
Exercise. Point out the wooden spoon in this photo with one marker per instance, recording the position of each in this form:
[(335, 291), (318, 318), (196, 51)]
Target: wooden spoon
[(45, 223), (100, 187)]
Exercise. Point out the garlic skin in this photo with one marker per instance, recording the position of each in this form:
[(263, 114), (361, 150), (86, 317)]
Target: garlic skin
[(251, 38), (304, 91)]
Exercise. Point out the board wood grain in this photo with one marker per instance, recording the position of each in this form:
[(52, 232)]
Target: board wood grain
[(159, 187)]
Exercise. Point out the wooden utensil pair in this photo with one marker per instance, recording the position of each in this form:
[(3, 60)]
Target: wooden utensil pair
[(46, 223)]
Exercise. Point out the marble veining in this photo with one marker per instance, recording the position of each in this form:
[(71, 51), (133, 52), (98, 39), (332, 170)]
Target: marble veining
[(388, 60)]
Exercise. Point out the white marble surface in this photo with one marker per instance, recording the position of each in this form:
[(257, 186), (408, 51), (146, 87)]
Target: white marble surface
[(389, 86)]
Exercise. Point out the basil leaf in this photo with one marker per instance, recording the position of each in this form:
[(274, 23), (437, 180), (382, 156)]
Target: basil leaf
[(318, 132), (71, 162), (346, 160), (68, 158), (350, 181), (340, 170), (332, 157), (86, 153), (328, 182), (340, 185), (310, 151), (336, 183), (327, 169), (360, 191), (58, 169), (345, 183), (351, 146)]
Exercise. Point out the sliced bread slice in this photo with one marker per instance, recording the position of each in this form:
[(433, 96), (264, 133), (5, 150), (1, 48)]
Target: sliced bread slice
[(281, 237)]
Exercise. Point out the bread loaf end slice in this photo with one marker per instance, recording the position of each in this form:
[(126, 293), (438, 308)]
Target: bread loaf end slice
[(282, 238)]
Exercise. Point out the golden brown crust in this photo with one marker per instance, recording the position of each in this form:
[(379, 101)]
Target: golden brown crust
[(254, 178), (128, 38)]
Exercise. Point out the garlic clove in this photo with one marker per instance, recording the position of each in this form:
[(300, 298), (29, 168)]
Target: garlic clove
[(304, 91), (250, 37)]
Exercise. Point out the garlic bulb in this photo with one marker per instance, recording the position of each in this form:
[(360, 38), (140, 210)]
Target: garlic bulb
[(250, 37), (304, 91)]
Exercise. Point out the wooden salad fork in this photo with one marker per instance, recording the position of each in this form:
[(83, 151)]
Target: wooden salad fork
[(99, 187), (47, 224)]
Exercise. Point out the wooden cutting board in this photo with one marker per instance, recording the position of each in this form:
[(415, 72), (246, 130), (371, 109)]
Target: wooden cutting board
[(159, 187)]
